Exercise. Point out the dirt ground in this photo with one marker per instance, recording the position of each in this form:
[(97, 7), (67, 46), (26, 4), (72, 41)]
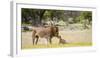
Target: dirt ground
[(84, 36)]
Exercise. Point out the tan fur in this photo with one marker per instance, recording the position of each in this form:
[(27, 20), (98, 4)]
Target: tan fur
[(47, 32)]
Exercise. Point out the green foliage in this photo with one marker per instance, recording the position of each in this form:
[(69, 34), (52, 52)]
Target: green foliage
[(84, 15), (39, 15), (85, 18)]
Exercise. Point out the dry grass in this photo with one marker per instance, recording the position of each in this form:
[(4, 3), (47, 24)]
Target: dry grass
[(56, 45), (74, 38)]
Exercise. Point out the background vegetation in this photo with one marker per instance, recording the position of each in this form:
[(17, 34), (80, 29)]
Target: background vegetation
[(74, 27), (37, 17)]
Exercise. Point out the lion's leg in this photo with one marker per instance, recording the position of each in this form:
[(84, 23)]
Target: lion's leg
[(37, 38), (50, 40), (33, 41), (33, 36), (59, 37)]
